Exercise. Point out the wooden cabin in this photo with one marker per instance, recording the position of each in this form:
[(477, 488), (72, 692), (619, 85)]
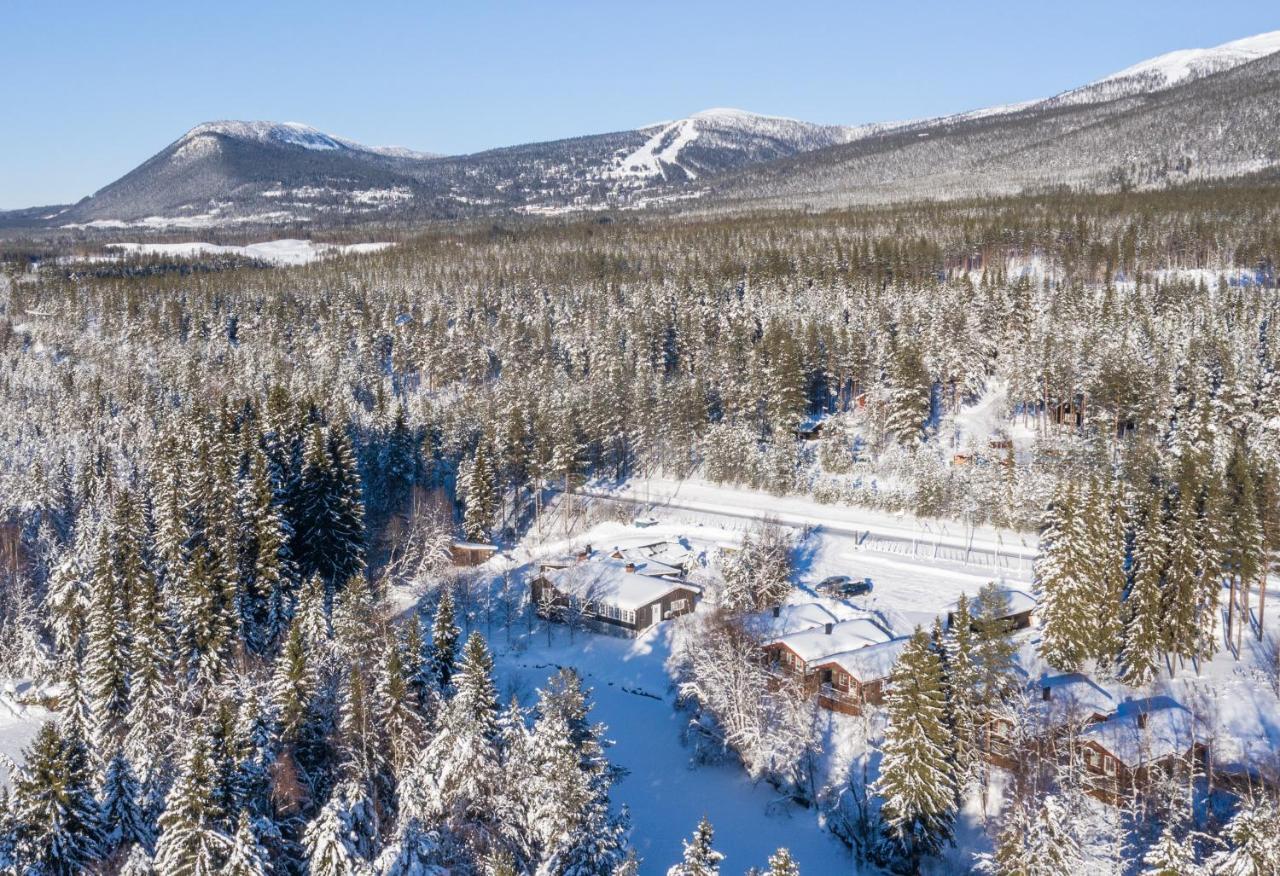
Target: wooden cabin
[(844, 664), (470, 553), (1144, 740), (621, 595)]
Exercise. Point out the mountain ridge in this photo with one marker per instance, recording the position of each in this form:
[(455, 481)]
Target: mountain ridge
[(231, 172)]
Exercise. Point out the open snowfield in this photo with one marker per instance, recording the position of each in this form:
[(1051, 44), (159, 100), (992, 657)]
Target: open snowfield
[(19, 725), (278, 252)]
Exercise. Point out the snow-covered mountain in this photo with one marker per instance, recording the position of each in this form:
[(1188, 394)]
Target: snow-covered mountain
[(1189, 114), (717, 139)]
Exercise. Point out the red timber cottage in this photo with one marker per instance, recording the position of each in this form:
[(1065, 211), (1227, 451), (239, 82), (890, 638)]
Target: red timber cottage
[(844, 664), (1122, 755), (616, 592)]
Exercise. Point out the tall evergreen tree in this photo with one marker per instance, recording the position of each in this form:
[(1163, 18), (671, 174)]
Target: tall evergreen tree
[(190, 842), (917, 778), (1144, 619), (444, 640), (57, 821)]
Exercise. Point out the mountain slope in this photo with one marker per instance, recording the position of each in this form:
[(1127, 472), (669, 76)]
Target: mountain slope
[(227, 172), (1204, 127), (1186, 115)]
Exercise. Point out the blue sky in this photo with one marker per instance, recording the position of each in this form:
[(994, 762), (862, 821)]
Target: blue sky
[(91, 89)]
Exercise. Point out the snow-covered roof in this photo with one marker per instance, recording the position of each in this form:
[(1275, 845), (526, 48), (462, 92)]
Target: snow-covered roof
[(871, 662), (645, 563), (1019, 601), (475, 546), (791, 619), (606, 580), (1072, 696), (1168, 730), (818, 644), (670, 553)]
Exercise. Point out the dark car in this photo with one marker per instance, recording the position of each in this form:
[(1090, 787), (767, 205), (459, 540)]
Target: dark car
[(843, 585)]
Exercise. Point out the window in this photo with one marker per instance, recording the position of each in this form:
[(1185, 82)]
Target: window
[(628, 616), (1109, 764), (678, 604)]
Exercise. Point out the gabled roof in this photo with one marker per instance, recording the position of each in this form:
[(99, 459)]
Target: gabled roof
[(791, 619), (1169, 730), (1073, 696), (870, 662), (817, 644), (606, 580)]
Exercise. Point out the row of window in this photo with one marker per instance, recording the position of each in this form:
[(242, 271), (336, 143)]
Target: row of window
[(612, 612)]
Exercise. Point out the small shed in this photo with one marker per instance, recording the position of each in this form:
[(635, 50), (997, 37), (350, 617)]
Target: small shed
[(1018, 609), (471, 553)]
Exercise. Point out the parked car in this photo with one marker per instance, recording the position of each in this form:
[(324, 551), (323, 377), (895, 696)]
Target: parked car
[(843, 585)]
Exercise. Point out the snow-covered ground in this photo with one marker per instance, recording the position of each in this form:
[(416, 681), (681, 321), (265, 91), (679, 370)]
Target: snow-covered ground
[(19, 724), (279, 252)]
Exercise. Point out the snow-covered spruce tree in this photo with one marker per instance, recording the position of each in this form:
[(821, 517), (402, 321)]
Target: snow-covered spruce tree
[(328, 842), (191, 842), (57, 823), (481, 495), (1011, 855), (453, 784), (106, 651), (917, 778), (247, 856), (1171, 855), (396, 709), (568, 803), (328, 529), (700, 857), (1143, 607), (1253, 841), (264, 564), (1180, 596), (1063, 583), (910, 395), (965, 709), (994, 649), (782, 864), (759, 574), (118, 801), (445, 635), (1107, 530)]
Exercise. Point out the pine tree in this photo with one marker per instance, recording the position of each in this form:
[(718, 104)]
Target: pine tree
[(700, 858), (190, 843), (444, 640), (57, 822), (917, 779)]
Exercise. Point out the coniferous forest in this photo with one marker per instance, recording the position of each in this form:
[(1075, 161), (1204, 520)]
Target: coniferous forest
[(230, 491)]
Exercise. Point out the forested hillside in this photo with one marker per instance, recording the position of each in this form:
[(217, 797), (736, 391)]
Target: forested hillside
[(215, 474)]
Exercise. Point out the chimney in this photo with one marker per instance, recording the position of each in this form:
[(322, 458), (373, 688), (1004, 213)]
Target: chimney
[(777, 611), (631, 567), (1142, 720), (617, 554), (827, 628), (1046, 693)]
